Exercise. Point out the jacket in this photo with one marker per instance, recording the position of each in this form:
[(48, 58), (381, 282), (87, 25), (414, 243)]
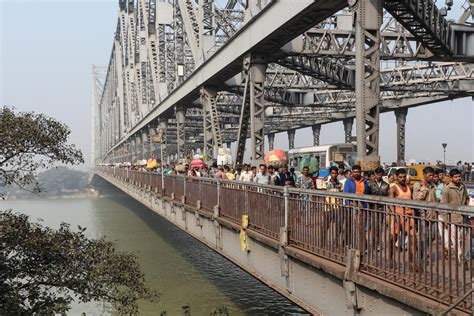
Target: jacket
[(378, 189), (282, 178), (350, 186), (452, 194)]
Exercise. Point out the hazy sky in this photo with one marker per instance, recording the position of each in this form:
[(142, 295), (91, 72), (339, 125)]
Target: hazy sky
[(48, 47)]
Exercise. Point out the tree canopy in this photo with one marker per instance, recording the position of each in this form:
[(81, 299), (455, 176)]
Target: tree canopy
[(30, 142), (42, 270)]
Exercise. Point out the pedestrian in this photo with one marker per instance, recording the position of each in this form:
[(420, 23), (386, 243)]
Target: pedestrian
[(347, 175), (253, 170), (262, 176), (228, 173), (331, 228), (469, 172), (451, 230), (402, 223), (284, 177), (272, 174), (238, 172), (340, 172), (356, 184), (438, 179), (377, 186), (304, 181), (425, 190), (204, 172), (369, 176), (332, 183), (220, 174), (246, 175)]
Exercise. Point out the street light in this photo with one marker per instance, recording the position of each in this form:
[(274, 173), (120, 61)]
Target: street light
[(444, 153)]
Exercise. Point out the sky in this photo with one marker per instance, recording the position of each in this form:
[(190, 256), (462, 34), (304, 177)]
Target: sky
[(47, 49)]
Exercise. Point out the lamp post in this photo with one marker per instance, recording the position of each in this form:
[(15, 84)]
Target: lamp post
[(444, 153)]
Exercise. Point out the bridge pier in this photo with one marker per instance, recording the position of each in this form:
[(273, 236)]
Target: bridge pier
[(401, 118), (291, 138), (367, 82), (271, 140), (180, 132), (348, 123), (316, 132)]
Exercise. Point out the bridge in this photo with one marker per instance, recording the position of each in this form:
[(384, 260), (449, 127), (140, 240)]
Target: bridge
[(312, 246), (207, 74)]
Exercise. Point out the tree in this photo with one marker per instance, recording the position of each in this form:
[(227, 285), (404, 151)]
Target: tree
[(42, 270), (30, 142)]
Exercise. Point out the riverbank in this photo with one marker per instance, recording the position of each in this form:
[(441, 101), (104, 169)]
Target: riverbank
[(88, 194)]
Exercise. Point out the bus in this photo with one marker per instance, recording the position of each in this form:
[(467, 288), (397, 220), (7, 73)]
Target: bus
[(326, 155)]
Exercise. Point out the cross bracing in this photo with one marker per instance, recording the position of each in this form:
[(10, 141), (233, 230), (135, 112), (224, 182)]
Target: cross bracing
[(166, 52)]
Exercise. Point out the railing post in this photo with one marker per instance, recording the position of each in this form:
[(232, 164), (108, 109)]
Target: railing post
[(218, 195), (286, 196), (162, 183), (184, 190)]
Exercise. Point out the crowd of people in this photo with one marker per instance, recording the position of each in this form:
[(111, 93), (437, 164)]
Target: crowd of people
[(433, 187)]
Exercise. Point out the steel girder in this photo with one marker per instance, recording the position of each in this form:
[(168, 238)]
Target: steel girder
[(424, 20), (148, 53)]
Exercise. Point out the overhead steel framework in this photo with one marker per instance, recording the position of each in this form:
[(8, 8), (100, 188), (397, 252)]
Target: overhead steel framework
[(203, 73)]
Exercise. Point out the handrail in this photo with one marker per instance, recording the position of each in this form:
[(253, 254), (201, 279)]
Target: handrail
[(399, 241), (465, 210)]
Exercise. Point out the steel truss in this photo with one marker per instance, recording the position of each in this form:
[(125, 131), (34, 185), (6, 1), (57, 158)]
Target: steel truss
[(327, 72)]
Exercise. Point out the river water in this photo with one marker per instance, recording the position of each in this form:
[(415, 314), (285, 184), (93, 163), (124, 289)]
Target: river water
[(186, 272)]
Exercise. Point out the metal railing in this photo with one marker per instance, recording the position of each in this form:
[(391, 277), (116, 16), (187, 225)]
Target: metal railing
[(425, 248)]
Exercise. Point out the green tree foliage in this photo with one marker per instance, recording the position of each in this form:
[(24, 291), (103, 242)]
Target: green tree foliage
[(30, 142), (42, 270)]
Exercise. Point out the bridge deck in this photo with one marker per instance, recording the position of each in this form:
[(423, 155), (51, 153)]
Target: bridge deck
[(405, 249)]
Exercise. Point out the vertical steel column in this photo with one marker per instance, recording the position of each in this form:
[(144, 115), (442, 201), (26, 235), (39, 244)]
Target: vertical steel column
[(127, 151), (212, 132), (132, 150), (271, 140), (348, 123), (162, 127), (258, 70), (180, 131), (253, 109), (316, 132), (152, 132), (367, 86), (291, 138), (401, 118), (144, 145), (138, 147)]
